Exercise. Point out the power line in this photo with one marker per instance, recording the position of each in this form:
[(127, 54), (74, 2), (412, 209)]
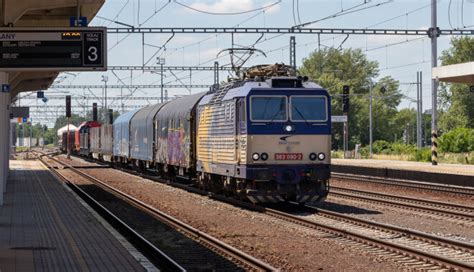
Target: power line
[(228, 13), (344, 12)]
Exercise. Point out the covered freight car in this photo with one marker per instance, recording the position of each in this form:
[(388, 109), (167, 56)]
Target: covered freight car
[(142, 135), (175, 136), (106, 142), (121, 137), (95, 142)]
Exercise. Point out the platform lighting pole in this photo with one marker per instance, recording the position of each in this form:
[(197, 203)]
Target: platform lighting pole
[(105, 79), (434, 32)]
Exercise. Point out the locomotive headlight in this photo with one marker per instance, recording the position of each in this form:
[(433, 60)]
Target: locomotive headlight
[(255, 156), (313, 156), (321, 156), (288, 128), (264, 156)]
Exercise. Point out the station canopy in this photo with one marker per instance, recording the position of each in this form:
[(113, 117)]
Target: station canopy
[(42, 13), (455, 73)]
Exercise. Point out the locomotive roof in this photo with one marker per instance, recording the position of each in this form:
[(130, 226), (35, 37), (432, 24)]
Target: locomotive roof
[(242, 89)]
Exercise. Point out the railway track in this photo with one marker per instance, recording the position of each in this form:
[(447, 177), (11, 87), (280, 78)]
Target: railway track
[(460, 212), (244, 260), (407, 184), (159, 258), (416, 250)]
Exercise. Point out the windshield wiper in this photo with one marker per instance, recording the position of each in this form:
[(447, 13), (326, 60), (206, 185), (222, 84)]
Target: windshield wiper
[(302, 116)]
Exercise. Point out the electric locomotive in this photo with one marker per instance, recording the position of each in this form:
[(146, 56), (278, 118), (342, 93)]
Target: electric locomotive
[(266, 137)]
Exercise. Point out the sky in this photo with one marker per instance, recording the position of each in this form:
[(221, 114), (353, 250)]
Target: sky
[(398, 56)]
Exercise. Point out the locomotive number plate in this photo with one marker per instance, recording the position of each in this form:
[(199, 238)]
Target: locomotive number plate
[(288, 156)]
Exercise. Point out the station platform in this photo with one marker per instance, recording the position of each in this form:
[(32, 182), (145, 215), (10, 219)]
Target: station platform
[(454, 174), (44, 226)]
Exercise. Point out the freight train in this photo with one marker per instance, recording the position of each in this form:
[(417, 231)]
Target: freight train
[(265, 137)]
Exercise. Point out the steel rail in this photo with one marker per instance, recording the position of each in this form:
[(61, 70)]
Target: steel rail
[(406, 183), (392, 200), (394, 247), (211, 242), (163, 260)]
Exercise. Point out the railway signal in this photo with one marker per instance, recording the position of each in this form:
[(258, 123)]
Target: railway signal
[(345, 99)]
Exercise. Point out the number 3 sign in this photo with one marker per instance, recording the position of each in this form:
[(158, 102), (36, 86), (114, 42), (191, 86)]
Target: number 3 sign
[(93, 48)]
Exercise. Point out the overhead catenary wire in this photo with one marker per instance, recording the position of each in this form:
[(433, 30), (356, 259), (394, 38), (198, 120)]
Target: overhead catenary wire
[(350, 10), (228, 13), (155, 12)]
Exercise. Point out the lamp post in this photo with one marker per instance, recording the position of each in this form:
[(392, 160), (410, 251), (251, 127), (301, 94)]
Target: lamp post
[(105, 79)]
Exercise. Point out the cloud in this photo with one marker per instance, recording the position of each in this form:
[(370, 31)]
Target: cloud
[(225, 6)]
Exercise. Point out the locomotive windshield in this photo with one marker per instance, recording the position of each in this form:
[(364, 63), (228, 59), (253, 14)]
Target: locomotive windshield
[(308, 108), (268, 108)]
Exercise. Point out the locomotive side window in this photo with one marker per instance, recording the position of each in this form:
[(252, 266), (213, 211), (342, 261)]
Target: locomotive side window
[(308, 108), (268, 108)]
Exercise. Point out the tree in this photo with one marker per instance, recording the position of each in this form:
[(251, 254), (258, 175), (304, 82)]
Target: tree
[(457, 103), (332, 68)]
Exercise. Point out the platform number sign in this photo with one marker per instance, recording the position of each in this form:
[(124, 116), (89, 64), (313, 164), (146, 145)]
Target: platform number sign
[(93, 48), (53, 49)]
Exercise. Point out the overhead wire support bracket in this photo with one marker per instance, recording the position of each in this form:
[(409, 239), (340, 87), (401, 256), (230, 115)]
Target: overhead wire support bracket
[(169, 68), (129, 86), (276, 30)]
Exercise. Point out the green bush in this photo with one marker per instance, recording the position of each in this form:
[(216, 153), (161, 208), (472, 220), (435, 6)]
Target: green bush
[(364, 152), (457, 140), (422, 155), (403, 149), (381, 146)]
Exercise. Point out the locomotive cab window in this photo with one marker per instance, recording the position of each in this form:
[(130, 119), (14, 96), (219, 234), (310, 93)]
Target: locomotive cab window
[(308, 108), (268, 108)]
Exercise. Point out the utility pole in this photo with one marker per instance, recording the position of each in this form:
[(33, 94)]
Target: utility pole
[(418, 123), (161, 62), (216, 74), (293, 52), (370, 119), (419, 110), (433, 33)]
